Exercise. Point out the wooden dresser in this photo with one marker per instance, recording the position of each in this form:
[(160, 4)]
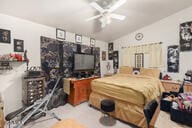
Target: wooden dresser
[(80, 90), (171, 85), (33, 89)]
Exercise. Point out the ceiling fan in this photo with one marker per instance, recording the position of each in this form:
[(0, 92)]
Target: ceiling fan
[(106, 14)]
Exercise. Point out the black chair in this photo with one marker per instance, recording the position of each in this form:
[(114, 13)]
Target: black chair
[(149, 110)]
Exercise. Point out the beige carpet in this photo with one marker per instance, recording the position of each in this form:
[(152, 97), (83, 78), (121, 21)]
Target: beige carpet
[(82, 113)]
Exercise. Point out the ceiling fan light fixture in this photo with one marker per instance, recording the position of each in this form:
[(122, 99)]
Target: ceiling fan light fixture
[(105, 21), (103, 25), (102, 22), (108, 19), (106, 15)]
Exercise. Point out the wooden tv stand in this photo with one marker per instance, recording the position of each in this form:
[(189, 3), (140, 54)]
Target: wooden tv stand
[(80, 90)]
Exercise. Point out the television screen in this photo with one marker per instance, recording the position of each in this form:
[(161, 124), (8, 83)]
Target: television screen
[(84, 62)]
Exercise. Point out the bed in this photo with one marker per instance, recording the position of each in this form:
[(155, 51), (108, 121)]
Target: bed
[(129, 91)]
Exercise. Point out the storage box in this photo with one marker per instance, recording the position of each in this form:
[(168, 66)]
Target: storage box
[(165, 105), (179, 116)]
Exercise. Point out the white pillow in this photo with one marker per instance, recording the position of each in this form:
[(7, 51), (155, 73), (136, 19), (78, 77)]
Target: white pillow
[(136, 71)]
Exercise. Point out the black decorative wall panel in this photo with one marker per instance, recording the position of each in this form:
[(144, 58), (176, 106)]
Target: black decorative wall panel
[(57, 57), (68, 50), (50, 60), (50, 52)]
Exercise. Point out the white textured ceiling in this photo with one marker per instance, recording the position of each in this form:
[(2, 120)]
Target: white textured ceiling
[(70, 15)]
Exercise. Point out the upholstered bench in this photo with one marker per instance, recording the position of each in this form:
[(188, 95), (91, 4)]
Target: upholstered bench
[(107, 106), (68, 123)]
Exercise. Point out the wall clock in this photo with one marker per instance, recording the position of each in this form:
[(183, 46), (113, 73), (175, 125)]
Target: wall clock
[(139, 36)]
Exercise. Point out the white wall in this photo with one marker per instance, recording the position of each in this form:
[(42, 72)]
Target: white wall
[(166, 31), (30, 32)]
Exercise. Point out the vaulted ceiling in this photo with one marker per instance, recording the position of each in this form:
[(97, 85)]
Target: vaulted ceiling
[(70, 15)]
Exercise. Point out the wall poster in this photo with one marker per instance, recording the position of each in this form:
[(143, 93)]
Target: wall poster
[(103, 55), (18, 45), (115, 61), (173, 58), (5, 36), (110, 51), (186, 36)]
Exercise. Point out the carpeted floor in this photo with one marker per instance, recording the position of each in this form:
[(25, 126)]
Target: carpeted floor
[(84, 114)]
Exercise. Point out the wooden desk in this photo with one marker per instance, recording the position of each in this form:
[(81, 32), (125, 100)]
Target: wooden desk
[(162, 119)]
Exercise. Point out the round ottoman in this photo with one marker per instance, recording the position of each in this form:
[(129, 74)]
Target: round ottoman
[(107, 106)]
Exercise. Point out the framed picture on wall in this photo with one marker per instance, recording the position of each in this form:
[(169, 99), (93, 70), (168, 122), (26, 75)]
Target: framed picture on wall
[(139, 60), (18, 45), (103, 55), (5, 36), (92, 42), (110, 51), (78, 38), (60, 34), (173, 58), (115, 60)]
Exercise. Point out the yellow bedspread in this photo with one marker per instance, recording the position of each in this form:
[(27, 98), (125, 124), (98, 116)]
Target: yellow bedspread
[(136, 89)]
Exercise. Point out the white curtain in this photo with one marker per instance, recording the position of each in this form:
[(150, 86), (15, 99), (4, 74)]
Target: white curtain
[(156, 59), (154, 50)]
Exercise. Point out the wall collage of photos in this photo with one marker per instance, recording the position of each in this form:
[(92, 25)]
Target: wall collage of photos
[(185, 46), (57, 57)]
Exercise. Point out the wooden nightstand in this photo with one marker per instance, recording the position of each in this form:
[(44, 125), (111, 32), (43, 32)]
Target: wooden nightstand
[(108, 74), (171, 85), (80, 90)]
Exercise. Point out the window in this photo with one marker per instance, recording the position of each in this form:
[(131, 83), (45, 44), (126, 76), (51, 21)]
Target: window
[(139, 59)]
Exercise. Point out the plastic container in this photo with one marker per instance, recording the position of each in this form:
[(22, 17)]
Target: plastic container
[(182, 117), (165, 105)]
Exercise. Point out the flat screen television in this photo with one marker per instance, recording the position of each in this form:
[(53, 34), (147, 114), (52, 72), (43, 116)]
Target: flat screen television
[(83, 62)]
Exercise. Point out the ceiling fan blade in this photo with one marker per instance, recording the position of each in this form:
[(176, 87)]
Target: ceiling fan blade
[(97, 7), (117, 5), (117, 16), (92, 18)]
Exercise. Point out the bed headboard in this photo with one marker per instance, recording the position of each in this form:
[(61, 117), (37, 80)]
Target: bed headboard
[(150, 72), (125, 70), (143, 71)]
